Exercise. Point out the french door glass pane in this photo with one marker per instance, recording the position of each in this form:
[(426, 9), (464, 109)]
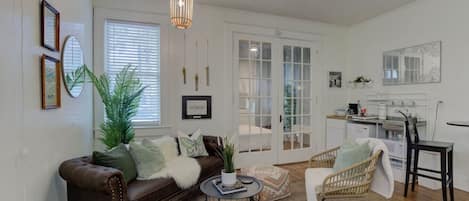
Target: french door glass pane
[(306, 89), (287, 72), (306, 72), (244, 69), (254, 50), (297, 72), (266, 51), (297, 102), (287, 142), (297, 54), (243, 49), (287, 54), (255, 92), (306, 55), (306, 140), (266, 70)]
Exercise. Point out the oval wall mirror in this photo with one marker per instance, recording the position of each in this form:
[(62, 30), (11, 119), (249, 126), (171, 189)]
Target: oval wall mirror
[(73, 66)]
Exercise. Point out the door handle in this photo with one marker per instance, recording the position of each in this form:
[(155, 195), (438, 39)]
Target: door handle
[(281, 118)]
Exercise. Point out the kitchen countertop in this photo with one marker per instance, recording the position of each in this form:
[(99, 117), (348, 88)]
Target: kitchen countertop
[(373, 121), (336, 117)]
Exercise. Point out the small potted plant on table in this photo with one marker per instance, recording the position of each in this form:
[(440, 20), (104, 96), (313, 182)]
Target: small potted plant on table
[(228, 174)]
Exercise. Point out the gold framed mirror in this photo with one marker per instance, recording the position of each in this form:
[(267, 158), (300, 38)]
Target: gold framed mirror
[(73, 66)]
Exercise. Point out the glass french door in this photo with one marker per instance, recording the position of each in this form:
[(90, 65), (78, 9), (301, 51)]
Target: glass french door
[(273, 100), (297, 103), (253, 63)]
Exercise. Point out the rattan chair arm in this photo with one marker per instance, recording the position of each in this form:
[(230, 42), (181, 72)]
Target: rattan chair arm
[(359, 174), (324, 159)]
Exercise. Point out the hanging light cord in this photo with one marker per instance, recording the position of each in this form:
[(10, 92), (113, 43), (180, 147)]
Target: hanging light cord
[(184, 48), (197, 56), (207, 52)]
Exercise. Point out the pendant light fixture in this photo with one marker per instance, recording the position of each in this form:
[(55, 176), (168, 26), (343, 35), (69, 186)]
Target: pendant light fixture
[(181, 13)]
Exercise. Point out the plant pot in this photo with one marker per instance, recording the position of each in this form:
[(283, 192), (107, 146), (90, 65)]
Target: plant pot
[(127, 146), (228, 179)]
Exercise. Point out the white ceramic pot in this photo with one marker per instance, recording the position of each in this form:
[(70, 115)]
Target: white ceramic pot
[(127, 146), (228, 179)]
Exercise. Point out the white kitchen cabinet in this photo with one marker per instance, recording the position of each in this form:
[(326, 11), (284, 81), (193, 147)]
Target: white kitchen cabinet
[(335, 132), (359, 130)]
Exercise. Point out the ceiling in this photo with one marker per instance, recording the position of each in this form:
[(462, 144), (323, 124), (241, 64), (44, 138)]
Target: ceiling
[(340, 12)]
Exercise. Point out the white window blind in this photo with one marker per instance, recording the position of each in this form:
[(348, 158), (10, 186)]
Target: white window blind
[(138, 45)]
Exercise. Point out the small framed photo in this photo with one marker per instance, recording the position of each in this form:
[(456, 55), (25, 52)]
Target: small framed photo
[(50, 82), (50, 27), (196, 107), (335, 79)]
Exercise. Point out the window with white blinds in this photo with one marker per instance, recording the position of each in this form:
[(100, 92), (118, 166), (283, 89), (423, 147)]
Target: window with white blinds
[(138, 45)]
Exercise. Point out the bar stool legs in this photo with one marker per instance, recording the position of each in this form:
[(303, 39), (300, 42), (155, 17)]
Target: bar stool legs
[(446, 173), (407, 171), (450, 173), (416, 162), (443, 176)]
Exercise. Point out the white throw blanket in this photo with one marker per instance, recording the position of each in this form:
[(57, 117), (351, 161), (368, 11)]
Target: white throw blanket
[(383, 179), (184, 170)]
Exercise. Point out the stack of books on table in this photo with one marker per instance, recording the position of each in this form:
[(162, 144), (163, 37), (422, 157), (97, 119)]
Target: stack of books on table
[(224, 190)]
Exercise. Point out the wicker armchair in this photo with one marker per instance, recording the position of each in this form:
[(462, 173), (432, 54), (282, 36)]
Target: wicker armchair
[(352, 182)]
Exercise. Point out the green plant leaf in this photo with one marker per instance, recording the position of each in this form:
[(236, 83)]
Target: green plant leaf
[(121, 103)]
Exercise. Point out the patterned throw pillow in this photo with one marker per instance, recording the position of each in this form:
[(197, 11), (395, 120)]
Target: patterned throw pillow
[(192, 146)]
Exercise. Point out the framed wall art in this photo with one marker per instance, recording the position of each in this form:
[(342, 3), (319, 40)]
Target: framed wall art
[(50, 82), (335, 79), (50, 27), (196, 107)]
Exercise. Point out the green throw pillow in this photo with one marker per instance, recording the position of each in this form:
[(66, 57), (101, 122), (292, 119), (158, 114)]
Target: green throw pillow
[(149, 159), (192, 146), (119, 158), (351, 153)]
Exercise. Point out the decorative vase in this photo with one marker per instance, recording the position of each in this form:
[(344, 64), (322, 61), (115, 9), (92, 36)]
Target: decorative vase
[(228, 179)]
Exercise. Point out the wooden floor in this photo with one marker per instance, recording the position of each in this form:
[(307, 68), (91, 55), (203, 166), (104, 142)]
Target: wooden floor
[(421, 193)]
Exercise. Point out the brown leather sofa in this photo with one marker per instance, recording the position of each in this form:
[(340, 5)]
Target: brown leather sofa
[(89, 182)]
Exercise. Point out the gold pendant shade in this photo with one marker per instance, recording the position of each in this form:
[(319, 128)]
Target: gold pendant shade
[(181, 13)]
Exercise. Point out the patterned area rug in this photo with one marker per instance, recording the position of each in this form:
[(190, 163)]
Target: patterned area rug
[(298, 192), (297, 189)]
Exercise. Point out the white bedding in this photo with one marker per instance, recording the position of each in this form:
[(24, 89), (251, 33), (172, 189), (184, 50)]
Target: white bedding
[(254, 138), (245, 129)]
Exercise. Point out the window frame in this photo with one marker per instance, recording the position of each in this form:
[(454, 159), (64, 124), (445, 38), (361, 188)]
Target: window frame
[(100, 17), (110, 25)]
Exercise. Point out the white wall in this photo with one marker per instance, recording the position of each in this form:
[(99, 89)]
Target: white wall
[(209, 23), (35, 141), (417, 23), (10, 98)]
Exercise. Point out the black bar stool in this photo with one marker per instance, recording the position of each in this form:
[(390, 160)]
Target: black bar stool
[(415, 145)]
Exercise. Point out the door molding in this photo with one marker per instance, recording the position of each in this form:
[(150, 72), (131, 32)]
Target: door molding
[(277, 35)]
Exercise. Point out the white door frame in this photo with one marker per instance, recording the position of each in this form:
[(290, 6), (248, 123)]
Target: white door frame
[(296, 155), (259, 157), (232, 122)]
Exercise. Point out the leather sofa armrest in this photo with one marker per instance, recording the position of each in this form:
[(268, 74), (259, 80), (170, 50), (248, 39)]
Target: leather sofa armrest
[(212, 143), (81, 173)]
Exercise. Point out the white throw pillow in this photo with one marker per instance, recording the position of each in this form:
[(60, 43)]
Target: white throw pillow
[(168, 147), (192, 146)]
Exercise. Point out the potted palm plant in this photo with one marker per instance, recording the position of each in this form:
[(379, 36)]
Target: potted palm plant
[(121, 101), (228, 174)]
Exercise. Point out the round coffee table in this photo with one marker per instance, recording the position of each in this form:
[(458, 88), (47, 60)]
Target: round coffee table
[(252, 192)]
